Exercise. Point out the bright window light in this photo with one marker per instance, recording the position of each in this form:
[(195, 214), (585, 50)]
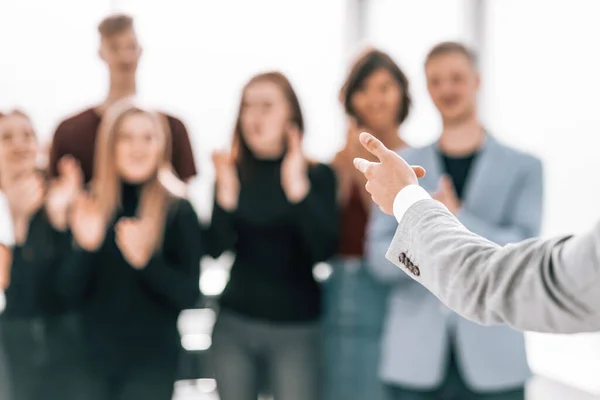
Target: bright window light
[(196, 342)]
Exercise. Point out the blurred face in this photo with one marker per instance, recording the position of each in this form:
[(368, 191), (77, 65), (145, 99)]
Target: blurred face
[(121, 52), (453, 82), (378, 100), (265, 117), (18, 145), (138, 148)]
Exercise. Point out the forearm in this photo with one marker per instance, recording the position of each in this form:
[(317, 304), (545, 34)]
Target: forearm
[(7, 229), (317, 218), (380, 231), (5, 264), (498, 234), (381, 268), (180, 289), (21, 228), (537, 285), (220, 235)]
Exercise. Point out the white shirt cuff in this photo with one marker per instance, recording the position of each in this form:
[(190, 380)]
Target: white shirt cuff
[(7, 233), (406, 197)]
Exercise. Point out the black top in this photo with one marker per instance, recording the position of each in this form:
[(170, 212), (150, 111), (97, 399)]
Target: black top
[(276, 244), (33, 284), (458, 168), (129, 316)]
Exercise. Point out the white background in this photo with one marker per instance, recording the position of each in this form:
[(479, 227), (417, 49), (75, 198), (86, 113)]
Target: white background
[(540, 83), (541, 94)]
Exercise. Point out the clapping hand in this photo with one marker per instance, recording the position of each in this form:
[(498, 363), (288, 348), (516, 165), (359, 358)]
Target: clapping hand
[(294, 177), (446, 194), (132, 239), (228, 182), (87, 223), (25, 196), (5, 264), (63, 191)]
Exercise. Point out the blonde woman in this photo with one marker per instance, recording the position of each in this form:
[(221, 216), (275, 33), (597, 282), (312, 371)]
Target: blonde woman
[(136, 265)]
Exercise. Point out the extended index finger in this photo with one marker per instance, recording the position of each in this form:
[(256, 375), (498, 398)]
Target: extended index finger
[(374, 146), (362, 165)]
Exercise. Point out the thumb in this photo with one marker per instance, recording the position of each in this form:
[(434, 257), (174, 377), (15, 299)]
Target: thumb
[(294, 142), (419, 171), (374, 146)]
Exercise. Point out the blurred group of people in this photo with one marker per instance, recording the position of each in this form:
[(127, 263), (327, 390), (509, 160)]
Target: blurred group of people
[(101, 250)]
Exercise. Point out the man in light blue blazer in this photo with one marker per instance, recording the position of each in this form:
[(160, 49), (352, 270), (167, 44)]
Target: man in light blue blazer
[(429, 352)]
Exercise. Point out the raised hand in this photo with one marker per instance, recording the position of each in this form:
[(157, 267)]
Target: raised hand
[(63, 190), (387, 177), (446, 194), (132, 239), (294, 177), (88, 225), (25, 196), (5, 264), (228, 182)]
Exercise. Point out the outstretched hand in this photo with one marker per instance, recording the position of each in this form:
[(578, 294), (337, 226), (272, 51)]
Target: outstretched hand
[(388, 176)]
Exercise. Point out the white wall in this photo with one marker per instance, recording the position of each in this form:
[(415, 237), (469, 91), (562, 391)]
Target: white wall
[(198, 55), (541, 86), (407, 30), (49, 64)]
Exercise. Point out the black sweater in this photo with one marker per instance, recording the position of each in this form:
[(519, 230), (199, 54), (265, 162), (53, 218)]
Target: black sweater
[(129, 316), (458, 168), (276, 244), (35, 265)]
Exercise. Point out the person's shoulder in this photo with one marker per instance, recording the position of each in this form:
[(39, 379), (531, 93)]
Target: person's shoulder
[(414, 154), (175, 124), (518, 157), (78, 120)]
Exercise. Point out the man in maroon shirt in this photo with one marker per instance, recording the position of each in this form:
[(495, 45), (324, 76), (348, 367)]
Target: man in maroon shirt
[(76, 136)]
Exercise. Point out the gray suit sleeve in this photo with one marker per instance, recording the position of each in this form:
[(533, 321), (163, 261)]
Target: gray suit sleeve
[(537, 285), (380, 231), (525, 218)]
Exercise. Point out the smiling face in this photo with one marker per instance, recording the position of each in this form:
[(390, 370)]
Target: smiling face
[(18, 145), (378, 99), (138, 148), (453, 82), (264, 118)]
